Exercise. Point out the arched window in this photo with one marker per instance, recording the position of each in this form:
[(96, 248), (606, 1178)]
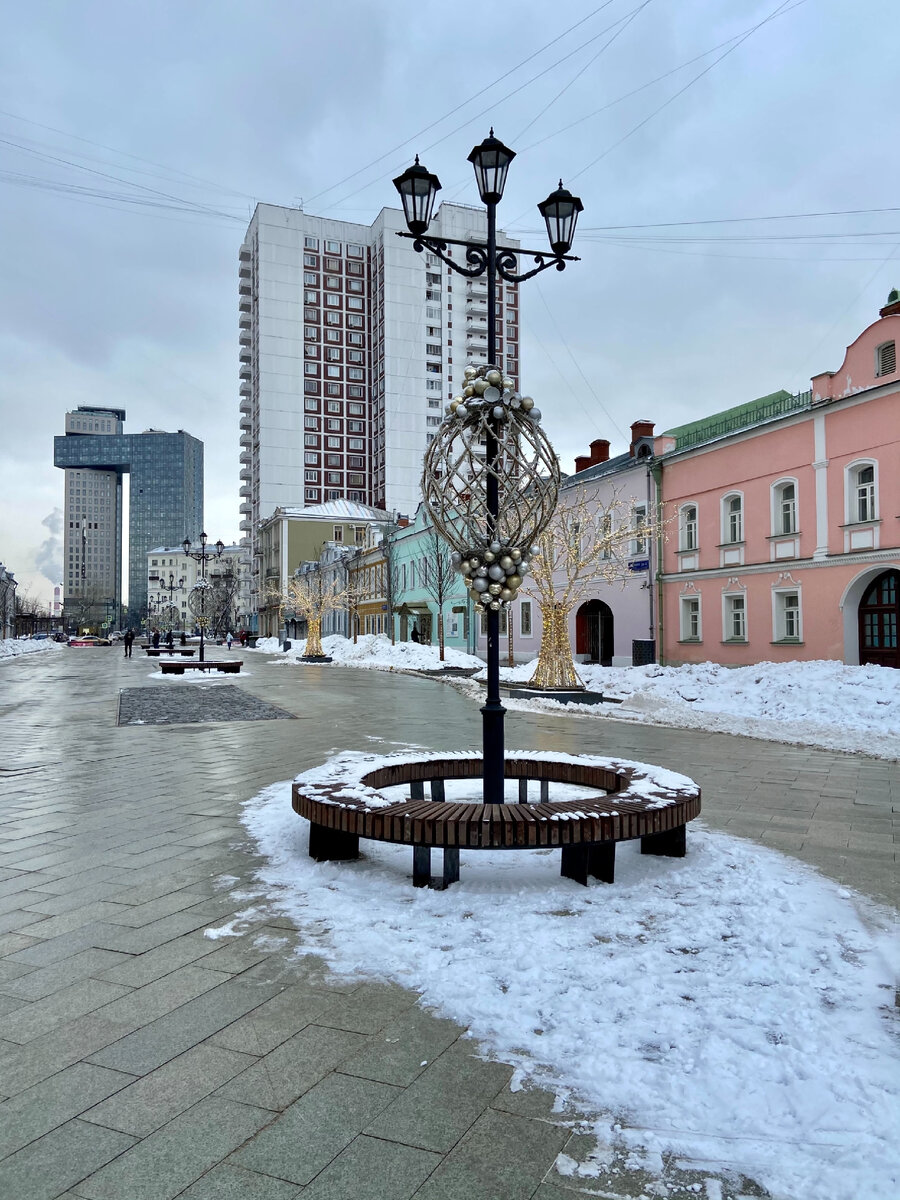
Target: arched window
[(785, 507), (733, 519), (687, 528), (862, 493)]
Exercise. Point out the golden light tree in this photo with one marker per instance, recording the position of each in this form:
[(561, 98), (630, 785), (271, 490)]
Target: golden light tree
[(310, 595), (587, 543)]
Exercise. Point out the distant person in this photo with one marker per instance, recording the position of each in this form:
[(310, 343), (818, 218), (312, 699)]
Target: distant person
[(155, 639), (243, 637), (229, 638), (129, 642), (170, 640), (183, 638), (414, 636)]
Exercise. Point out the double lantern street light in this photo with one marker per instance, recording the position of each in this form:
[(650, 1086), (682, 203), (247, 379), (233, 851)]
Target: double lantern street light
[(199, 600), (165, 598), (503, 426)]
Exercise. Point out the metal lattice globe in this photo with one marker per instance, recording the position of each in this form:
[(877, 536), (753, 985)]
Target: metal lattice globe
[(492, 558), (200, 601)]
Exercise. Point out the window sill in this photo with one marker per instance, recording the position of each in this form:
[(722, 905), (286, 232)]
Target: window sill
[(729, 545), (690, 642), (693, 550), (734, 642), (788, 642), (861, 524), (776, 537)]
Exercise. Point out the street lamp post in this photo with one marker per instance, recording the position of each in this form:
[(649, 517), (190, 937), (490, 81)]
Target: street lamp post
[(202, 556), (418, 190)]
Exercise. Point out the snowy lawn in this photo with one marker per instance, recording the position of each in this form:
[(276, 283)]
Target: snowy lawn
[(13, 647), (818, 703), (732, 1007)]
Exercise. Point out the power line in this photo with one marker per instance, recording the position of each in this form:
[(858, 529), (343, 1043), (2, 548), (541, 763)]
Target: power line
[(776, 12), (396, 149), (839, 212)]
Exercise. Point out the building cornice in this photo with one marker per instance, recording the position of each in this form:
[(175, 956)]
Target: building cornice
[(782, 565)]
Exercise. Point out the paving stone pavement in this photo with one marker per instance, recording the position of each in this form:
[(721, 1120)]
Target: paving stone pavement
[(141, 1061)]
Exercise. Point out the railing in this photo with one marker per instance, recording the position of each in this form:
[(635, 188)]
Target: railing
[(710, 430)]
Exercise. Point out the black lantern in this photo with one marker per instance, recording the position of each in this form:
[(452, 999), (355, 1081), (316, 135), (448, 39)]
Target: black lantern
[(418, 189), (560, 211), (220, 546), (491, 162), (186, 545)]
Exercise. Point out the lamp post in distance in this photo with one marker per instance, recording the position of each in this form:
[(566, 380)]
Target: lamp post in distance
[(202, 556), (418, 190)]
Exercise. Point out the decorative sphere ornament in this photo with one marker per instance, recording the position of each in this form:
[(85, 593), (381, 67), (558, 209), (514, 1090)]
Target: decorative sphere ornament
[(455, 557), (491, 394), (495, 589), (524, 566), (535, 415), (527, 403), (496, 605), (507, 594), (514, 582), (494, 377), (523, 475), (454, 405), (508, 385), (480, 584), (469, 373)]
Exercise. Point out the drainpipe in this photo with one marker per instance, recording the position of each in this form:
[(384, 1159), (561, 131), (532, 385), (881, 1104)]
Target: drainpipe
[(656, 470)]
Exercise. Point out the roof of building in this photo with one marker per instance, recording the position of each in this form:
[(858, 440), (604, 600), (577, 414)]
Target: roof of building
[(179, 549), (742, 416), (598, 470), (343, 509)]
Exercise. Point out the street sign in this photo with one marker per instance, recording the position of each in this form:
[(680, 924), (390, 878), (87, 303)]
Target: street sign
[(639, 564)]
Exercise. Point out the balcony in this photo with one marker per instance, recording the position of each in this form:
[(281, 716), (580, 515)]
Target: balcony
[(476, 324), (245, 305), (245, 254), (245, 338), (245, 271), (246, 508), (245, 320), (244, 527), (246, 355), (244, 289), (246, 374), (246, 390), (245, 474), (246, 422)]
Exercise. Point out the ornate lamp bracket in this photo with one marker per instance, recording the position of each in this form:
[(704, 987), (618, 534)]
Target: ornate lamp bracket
[(477, 257)]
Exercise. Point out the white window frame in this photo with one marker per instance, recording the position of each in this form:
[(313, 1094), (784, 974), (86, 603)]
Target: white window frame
[(778, 505), (780, 612), (526, 620), (729, 611), (688, 537), (640, 541), (880, 373), (852, 490), (727, 519), (689, 617)]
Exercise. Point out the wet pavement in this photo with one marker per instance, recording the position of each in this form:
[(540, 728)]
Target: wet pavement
[(140, 1060)]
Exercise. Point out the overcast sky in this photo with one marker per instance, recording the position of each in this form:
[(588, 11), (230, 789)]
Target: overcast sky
[(135, 139)]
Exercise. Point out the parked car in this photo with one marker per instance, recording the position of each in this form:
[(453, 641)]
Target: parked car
[(89, 640)]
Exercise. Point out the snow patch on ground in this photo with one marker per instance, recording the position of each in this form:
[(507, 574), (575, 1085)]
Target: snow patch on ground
[(732, 1007), (819, 703), (14, 647)]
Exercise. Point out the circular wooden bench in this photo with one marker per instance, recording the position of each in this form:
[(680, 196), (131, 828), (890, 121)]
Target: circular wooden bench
[(342, 802)]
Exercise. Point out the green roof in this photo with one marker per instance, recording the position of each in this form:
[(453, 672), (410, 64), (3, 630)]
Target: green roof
[(742, 416)]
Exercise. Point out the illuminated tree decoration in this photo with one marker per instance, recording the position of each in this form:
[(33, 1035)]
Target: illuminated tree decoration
[(200, 602), (491, 508)]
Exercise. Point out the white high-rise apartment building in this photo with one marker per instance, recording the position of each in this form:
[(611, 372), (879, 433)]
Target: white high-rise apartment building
[(351, 344)]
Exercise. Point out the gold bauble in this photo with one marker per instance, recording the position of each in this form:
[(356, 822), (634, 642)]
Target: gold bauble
[(480, 387), (494, 377), (514, 582), (468, 391), (469, 373)]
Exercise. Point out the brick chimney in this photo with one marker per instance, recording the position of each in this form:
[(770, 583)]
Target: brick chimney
[(582, 462), (639, 429), (599, 451)]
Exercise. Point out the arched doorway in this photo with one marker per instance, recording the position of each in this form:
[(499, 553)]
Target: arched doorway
[(594, 632), (879, 616)]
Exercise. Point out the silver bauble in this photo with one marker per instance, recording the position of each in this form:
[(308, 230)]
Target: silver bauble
[(499, 413), (496, 547), (455, 557), (535, 415), (489, 556), (495, 589), (480, 584), (496, 572), (491, 395), (495, 606), (474, 563)]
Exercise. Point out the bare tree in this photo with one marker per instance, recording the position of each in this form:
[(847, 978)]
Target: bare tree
[(588, 541), (226, 586), (391, 574), (310, 595), (438, 577)]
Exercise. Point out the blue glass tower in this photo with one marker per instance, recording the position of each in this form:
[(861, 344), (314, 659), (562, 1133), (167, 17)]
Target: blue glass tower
[(166, 502)]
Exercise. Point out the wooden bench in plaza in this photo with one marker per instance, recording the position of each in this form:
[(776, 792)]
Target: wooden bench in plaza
[(226, 666), (639, 802)]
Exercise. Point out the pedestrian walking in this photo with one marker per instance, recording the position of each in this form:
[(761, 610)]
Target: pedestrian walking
[(243, 637), (129, 642), (183, 638), (414, 636), (155, 639), (170, 639), (229, 638)]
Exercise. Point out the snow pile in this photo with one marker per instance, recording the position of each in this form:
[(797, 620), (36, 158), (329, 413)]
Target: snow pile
[(375, 652), (13, 647), (730, 1007)]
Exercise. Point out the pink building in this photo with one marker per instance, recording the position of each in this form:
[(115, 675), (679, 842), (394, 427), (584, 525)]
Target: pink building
[(786, 541)]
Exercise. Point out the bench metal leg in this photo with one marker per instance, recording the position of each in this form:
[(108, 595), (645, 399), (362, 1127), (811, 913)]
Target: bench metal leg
[(451, 865), (673, 843), (523, 791), (596, 859), (545, 791), (421, 866), (417, 790), (332, 845), (437, 790)]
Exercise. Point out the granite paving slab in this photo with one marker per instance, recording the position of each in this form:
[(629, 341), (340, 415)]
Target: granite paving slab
[(193, 703)]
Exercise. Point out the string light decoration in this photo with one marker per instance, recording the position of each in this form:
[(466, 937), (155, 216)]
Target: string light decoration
[(491, 509), (310, 597)]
